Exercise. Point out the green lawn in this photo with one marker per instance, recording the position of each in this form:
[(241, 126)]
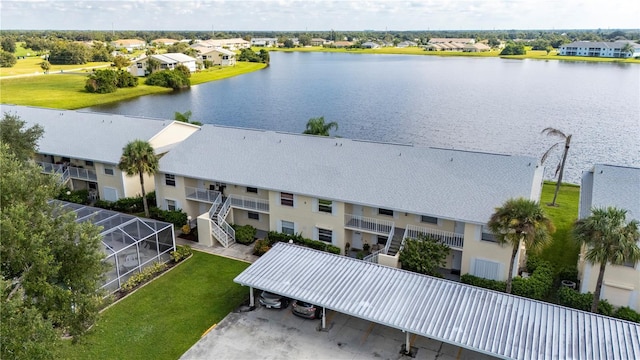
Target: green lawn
[(562, 250), (165, 318), (66, 91), (31, 65)]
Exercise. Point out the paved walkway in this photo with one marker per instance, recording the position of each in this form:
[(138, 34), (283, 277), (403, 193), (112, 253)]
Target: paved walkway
[(235, 251)]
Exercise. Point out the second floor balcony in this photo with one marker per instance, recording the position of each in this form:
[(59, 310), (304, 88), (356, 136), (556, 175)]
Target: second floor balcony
[(366, 224), (202, 195)]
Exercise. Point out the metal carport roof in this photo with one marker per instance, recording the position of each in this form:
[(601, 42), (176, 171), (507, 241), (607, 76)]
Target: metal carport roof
[(486, 321)]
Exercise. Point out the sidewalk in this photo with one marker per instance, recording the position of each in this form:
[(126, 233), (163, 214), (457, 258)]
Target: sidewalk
[(235, 251)]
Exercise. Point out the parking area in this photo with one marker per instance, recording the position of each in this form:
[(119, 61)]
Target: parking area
[(278, 334)]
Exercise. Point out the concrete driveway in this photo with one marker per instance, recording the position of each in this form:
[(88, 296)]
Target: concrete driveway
[(278, 334)]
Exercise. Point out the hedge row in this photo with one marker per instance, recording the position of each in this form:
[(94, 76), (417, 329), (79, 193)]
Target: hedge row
[(129, 205), (273, 237)]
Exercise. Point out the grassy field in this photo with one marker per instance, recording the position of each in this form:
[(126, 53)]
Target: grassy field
[(66, 91), (531, 54), (563, 250), (165, 318), (31, 65)]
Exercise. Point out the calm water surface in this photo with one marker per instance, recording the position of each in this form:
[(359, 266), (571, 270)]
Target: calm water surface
[(492, 104)]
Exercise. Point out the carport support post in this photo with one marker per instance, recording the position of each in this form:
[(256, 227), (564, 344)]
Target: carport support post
[(324, 318), (408, 347), (252, 301)]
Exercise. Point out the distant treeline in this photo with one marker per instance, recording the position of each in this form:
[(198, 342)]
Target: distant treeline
[(556, 35)]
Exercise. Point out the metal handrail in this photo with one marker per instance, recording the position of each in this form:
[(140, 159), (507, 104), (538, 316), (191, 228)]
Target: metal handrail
[(366, 223), (389, 240), (246, 202), (446, 237), (83, 174), (194, 193), (373, 257)]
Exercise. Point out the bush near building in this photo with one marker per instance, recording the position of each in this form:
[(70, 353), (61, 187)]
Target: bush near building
[(169, 79), (245, 234), (262, 246)]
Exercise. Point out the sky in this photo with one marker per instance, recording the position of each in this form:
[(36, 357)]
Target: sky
[(345, 15)]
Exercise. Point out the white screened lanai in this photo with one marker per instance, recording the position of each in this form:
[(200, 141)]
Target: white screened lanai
[(130, 243)]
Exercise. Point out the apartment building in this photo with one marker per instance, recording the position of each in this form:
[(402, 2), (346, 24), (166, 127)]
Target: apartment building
[(346, 191), (611, 49), (601, 187), (84, 148)]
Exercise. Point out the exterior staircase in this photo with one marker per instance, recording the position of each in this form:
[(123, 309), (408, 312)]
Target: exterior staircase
[(396, 242), (220, 229)]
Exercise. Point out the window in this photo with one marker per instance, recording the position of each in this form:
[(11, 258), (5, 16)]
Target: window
[(171, 204), (325, 235), (286, 199), (253, 215), (66, 160), (170, 179), (139, 65), (487, 235), (325, 206), (386, 212), (486, 269), (288, 227), (429, 219), (382, 240), (108, 171), (252, 190), (88, 162)]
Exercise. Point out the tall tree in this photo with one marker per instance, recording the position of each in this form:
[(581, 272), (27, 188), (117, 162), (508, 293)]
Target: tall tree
[(566, 140), (608, 238), (22, 142), (520, 221), (317, 126), (138, 157), (52, 265)]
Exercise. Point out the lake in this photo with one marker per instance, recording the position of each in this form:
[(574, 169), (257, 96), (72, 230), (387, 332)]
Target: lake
[(479, 104)]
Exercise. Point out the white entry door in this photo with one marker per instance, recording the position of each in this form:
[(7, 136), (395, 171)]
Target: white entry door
[(456, 263), (356, 240)]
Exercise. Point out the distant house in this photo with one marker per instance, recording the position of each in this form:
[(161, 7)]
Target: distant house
[(129, 44), (317, 42), (342, 44), (610, 49), (405, 44), (452, 40), (264, 42), (168, 61), (219, 56), (167, 42), (479, 47), (231, 44), (370, 45)]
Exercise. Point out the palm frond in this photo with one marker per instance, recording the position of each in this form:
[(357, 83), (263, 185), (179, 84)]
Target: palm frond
[(546, 154), (553, 132)]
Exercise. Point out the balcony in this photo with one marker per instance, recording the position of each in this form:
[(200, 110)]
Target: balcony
[(249, 203), (202, 195), (370, 225), (82, 174), (455, 241), (49, 168)]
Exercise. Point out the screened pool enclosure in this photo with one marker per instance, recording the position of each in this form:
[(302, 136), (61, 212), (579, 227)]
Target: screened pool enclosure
[(130, 243)]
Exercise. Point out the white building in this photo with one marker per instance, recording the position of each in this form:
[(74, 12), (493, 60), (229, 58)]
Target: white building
[(600, 49), (169, 61)]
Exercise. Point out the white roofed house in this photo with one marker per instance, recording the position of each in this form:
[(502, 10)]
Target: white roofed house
[(343, 191), (219, 56), (167, 61), (129, 44), (264, 42), (611, 49), (604, 186), (84, 148)]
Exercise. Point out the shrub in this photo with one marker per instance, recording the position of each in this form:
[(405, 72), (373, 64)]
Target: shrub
[(125, 79), (182, 252), (76, 196), (207, 64), (626, 313), (538, 284), (567, 273), (483, 283), (168, 78), (245, 234), (102, 82), (573, 299), (274, 237), (176, 217), (184, 70), (513, 49), (261, 247), (7, 59), (145, 275)]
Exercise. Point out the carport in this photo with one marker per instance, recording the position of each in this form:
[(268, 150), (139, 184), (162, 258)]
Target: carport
[(481, 320)]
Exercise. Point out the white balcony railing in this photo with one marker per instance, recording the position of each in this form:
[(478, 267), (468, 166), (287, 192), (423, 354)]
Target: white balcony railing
[(197, 194), (249, 203), (58, 169), (82, 174), (382, 227), (454, 240)]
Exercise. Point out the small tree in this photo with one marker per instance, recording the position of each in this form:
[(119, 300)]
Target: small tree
[(21, 142), (317, 126), (424, 255), (45, 66), (184, 70), (152, 65), (608, 238), (138, 157), (520, 221), (627, 50), (566, 140), (7, 59), (121, 62), (102, 82)]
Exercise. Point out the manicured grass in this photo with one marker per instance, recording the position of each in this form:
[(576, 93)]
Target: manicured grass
[(218, 73), (166, 317), (562, 251), (31, 65), (66, 91)]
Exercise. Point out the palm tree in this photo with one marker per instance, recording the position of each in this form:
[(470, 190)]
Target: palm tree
[(520, 220), (609, 239), (566, 139), (138, 157), (627, 50), (317, 126)]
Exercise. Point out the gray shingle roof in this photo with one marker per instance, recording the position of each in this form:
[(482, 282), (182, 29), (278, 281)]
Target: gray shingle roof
[(600, 44), (611, 185), (86, 135), (451, 184), (490, 322)]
